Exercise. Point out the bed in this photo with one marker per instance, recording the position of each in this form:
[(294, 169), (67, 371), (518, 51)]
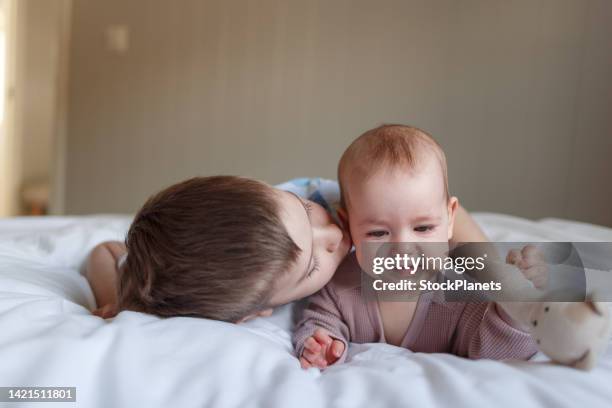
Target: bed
[(49, 338)]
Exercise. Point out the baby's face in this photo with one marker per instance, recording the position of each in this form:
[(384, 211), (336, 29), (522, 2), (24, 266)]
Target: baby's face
[(401, 205)]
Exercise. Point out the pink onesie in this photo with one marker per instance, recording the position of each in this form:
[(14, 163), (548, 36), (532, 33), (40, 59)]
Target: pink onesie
[(473, 330)]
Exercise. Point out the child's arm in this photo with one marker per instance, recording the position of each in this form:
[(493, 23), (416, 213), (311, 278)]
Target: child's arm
[(101, 272), (321, 336)]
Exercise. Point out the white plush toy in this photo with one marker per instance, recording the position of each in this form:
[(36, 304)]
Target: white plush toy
[(570, 333)]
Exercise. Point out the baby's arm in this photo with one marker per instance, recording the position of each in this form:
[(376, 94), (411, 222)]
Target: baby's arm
[(485, 331), (101, 272), (321, 336), (570, 333), (466, 229), (488, 330)]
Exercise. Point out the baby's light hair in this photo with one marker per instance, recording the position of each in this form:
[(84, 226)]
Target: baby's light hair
[(391, 146)]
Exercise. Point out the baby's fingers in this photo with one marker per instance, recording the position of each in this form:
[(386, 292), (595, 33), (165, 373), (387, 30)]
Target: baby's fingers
[(531, 256), (513, 257), (528, 257), (304, 363), (312, 345), (322, 337), (536, 273), (336, 350), (540, 282), (532, 252), (316, 359), (538, 276)]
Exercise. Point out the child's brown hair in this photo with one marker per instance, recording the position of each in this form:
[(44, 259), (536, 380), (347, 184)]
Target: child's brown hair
[(209, 247)]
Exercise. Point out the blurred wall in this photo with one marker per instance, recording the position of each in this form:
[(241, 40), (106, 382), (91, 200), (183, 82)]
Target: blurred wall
[(8, 145), (37, 75), (30, 108), (519, 93)]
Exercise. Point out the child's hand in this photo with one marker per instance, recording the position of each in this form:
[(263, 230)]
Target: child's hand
[(532, 263), (107, 311), (321, 350)]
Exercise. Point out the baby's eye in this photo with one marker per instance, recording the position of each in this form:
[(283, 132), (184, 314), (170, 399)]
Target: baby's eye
[(377, 234), (424, 228)]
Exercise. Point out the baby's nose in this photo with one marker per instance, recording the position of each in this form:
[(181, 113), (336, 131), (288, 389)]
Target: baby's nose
[(401, 248), (404, 237)]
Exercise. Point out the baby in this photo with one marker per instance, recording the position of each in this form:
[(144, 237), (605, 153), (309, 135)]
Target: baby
[(394, 188)]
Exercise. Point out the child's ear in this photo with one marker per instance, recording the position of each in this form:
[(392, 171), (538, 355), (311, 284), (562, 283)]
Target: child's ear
[(453, 204), (265, 313), (261, 313)]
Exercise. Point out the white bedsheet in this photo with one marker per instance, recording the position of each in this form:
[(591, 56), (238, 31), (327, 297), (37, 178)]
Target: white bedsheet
[(49, 338)]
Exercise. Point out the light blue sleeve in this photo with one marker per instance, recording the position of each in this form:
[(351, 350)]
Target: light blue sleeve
[(322, 191)]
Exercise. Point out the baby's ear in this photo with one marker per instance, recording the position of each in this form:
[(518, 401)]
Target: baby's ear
[(453, 204), (343, 217)]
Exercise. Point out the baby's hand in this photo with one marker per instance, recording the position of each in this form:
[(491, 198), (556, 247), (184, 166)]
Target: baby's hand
[(321, 350), (532, 263)]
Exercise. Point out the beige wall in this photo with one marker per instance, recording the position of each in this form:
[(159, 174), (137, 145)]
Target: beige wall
[(519, 93), (37, 87), (8, 145), (30, 120)]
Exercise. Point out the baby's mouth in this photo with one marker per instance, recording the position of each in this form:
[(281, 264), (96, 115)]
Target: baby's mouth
[(403, 273)]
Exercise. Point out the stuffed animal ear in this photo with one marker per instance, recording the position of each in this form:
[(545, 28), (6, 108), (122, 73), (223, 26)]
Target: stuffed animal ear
[(586, 362), (594, 306), (599, 308)]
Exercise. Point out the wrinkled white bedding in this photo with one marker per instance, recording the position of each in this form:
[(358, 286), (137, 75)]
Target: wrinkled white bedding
[(49, 338)]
